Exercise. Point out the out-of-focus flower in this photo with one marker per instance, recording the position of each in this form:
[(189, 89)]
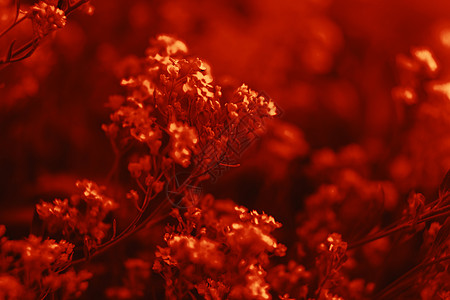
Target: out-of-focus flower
[(423, 157), (71, 283), (10, 287), (291, 278), (32, 267), (135, 281)]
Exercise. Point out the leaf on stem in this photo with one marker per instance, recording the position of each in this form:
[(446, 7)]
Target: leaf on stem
[(9, 54)]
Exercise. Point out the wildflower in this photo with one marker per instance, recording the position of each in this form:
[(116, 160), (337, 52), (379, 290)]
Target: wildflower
[(32, 267), (80, 218), (212, 290), (250, 102), (172, 96), (229, 243), (134, 281), (71, 283), (426, 57), (426, 147), (46, 18), (184, 140), (166, 46), (442, 88), (252, 233), (332, 257), (141, 126), (10, 287), (142, 166), (200, 252), (254, 286), (406, 94), (416, 202), (291, 278), (336, 245)]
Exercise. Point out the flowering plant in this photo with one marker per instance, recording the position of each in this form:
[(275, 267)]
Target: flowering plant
[(362, 218)]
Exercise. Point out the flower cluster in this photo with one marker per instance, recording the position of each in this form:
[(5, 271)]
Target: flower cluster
[(290, 280), (343, 193), (435, 279), (346, 206), (174, 108), (424, 156), (223, 241), (247, 101), (134, 282), (32, 268), (184, 139), (46, 17), (332, 257), (79, 219)]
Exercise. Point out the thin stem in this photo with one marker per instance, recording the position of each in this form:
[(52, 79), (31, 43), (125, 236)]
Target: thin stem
[(17, 22), (420, 266), (131, 228), (445, 211)]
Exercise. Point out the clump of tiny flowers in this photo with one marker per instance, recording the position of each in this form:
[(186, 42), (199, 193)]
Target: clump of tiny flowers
[(173, 108), (135, 281), (424, 94), (218, 250), (329, 262), (435, 280), (46, 17), (79, 219), (32, 268), (344, 191)]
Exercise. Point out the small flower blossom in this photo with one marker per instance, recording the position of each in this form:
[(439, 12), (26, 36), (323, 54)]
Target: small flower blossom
[(135, 280), (184, 140), (231, 246), (166, 46), (425, 57), (201, 252), (291, 278), (32, 267), (173, 107), (71, 283), (144, 165), (336, 245), (251, 102), (212, 290), (41, 253), (254, 286), (10, 287), (332, 257), (80, 218), (46, 18)]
